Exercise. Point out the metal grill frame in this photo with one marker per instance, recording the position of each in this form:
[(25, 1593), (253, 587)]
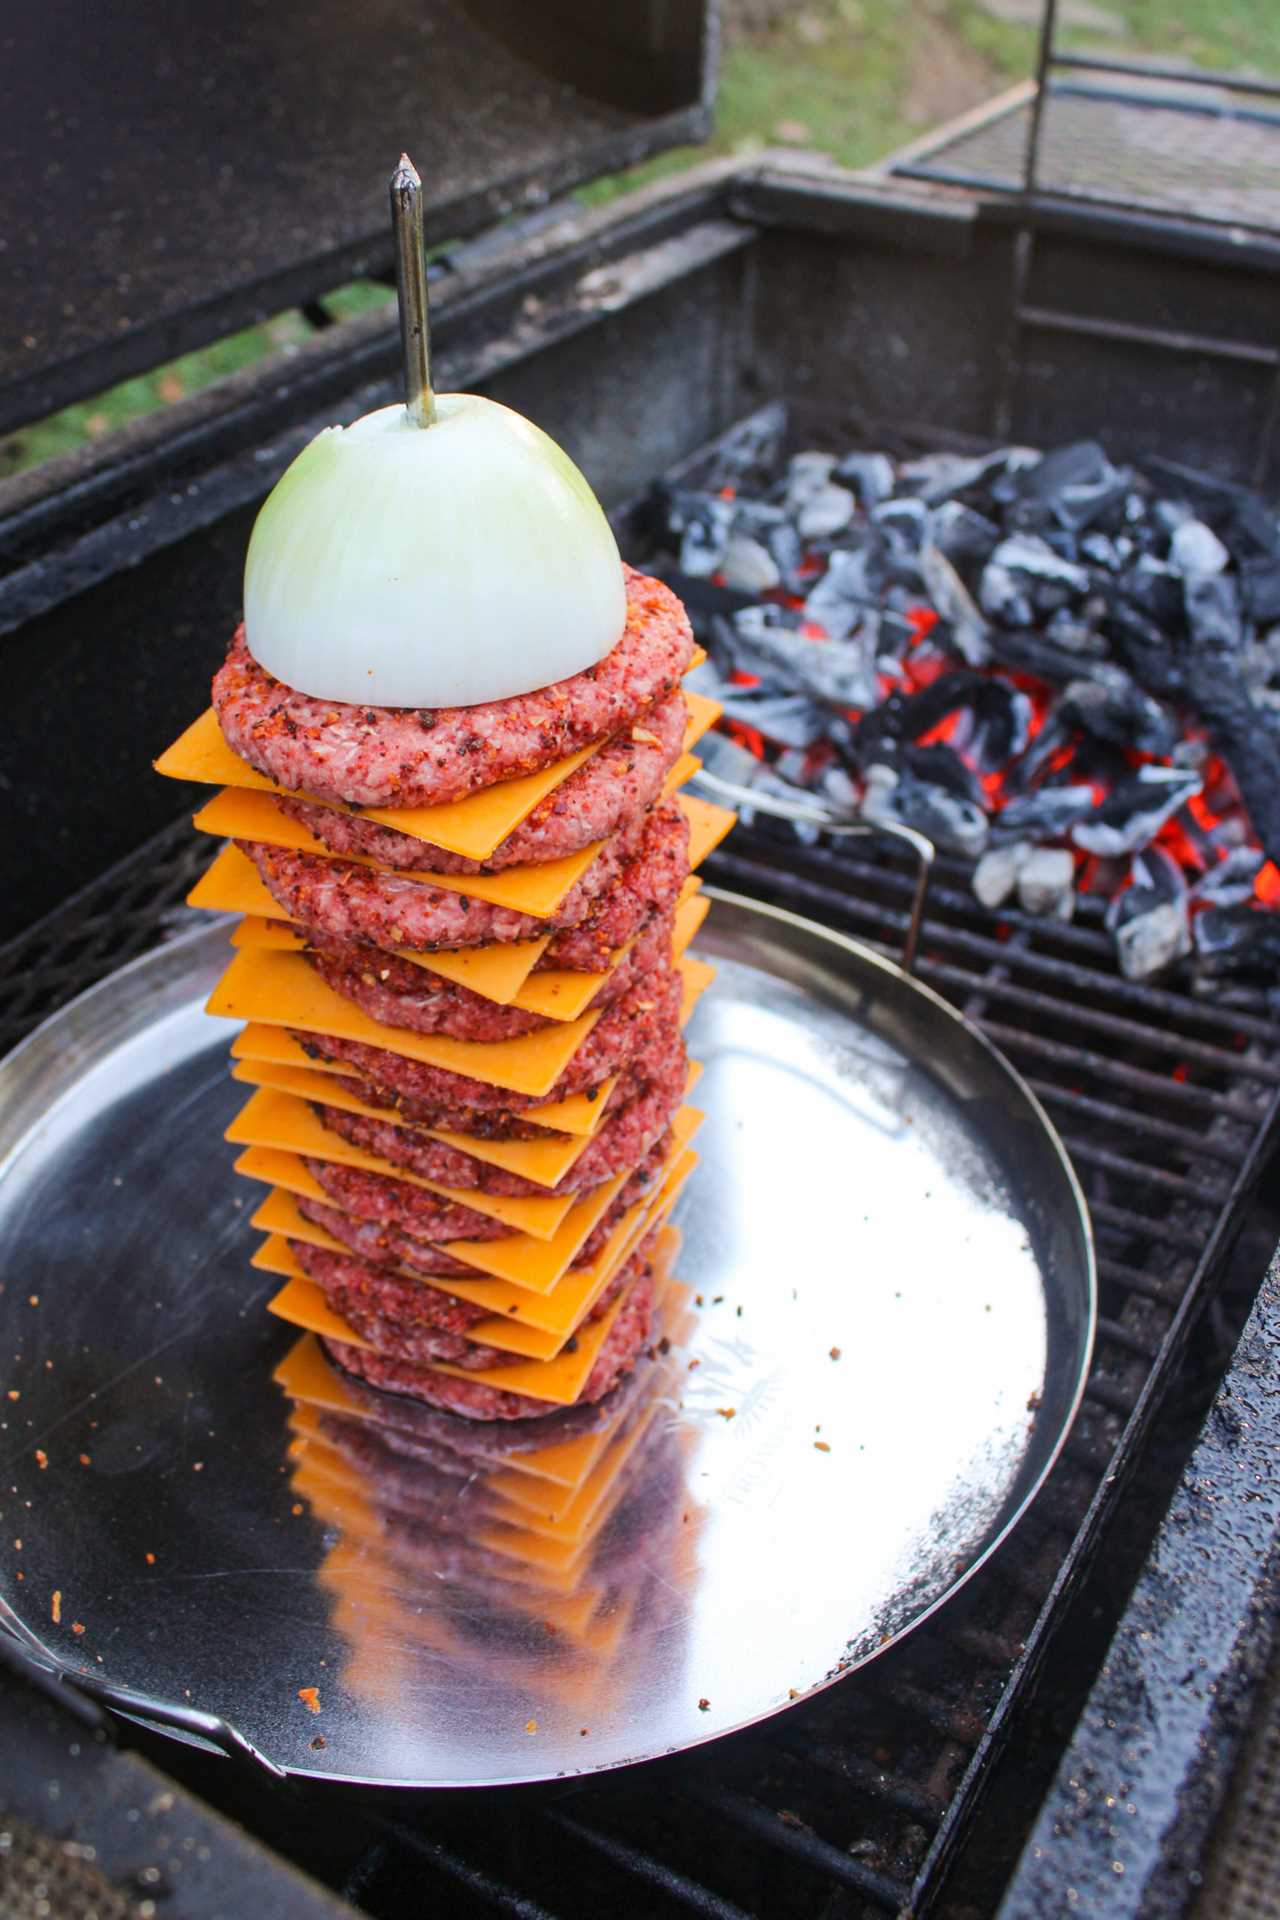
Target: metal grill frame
[(949, 1732)]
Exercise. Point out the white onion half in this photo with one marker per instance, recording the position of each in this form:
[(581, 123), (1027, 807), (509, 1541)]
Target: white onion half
[(402, 566)]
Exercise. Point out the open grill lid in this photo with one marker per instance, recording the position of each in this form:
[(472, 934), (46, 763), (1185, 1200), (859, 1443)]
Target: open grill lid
[(171, 174)]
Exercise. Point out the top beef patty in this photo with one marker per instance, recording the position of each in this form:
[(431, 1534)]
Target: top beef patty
[(416, 757)]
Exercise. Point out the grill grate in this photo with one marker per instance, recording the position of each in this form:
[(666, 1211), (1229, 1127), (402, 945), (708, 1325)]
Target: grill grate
[(854, 1804)]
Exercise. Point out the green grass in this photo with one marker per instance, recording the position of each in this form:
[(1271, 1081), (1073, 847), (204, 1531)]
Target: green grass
[(852, 78)]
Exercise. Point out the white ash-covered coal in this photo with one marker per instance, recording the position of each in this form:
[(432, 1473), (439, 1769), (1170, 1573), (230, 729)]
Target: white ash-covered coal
[(1063, 670)]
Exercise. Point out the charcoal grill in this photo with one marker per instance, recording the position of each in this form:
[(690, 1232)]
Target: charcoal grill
[(637, 334)]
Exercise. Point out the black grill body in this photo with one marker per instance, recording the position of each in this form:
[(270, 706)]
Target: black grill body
[(637, 334)]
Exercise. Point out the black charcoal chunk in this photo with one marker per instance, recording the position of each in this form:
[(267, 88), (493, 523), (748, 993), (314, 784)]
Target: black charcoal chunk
[(870, 475), (953, 824), (969, 632), (1044, 814), (1132, 814), (1111, 706), (1230, 882)]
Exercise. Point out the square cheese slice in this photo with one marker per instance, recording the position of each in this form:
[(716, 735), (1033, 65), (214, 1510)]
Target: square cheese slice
[(235, 814)]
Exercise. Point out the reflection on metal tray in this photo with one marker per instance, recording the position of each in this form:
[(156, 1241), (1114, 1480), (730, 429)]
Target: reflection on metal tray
[(881, 1318)]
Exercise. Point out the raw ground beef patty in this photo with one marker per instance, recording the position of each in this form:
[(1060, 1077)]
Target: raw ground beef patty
[(398, 1316), (385, 1234), (402, 994), (475, 1400), (391, 910), (405, 995), (632, 1029), (621, 1141), (465, 1446), (414, 757), (614, 786)]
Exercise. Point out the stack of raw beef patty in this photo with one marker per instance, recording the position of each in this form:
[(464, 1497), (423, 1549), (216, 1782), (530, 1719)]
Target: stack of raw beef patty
[(462, 971)]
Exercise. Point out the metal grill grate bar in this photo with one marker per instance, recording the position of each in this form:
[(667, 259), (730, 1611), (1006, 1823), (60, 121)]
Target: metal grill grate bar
[(1138, 1170), (1198, 1146), (803, 1845), (1161, 1086), (665, 1879), (465, 1873)]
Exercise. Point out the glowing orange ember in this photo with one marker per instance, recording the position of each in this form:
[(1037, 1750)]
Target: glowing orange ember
[(1267, 884)]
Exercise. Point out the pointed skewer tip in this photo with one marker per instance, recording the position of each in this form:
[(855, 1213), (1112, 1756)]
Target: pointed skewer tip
[(405, 176)]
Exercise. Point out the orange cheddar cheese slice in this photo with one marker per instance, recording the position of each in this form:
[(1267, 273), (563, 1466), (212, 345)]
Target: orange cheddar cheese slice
[(580, 1114), (474, 826), (280, 989), (235, 814), (557, 1312), (550, 1377), (555, 993), (305, 1375), (708, 825), (559, 1381), (278, 1167), (233, 885), (283, 1121), (703, 714)]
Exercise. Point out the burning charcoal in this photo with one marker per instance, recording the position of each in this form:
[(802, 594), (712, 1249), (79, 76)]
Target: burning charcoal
[(1237, 940), (969, 632), (1046, 883), (1024, 576), (1213, 610), (961, 533), (870, 475), (1149, 941), (843, 594), (748, 565), (1156, 587), (1230, 883), (1196, 548), (702, 522), (836, 790), (1260, 670), (1043, 815), (1133, 813), (1111, 706), (841, 672), (1076, 632), (996, 874), (905, 525), (1260, 586), (807, 474), (788, 719), (1077, 484), (937, 476), (938, 765), (953, 823), (826, 513)]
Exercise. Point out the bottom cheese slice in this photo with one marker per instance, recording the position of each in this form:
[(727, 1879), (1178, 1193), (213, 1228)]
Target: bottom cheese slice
[(308, 1377)]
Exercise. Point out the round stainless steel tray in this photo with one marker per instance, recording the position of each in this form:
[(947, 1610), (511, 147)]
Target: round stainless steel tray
[(883, 1334)]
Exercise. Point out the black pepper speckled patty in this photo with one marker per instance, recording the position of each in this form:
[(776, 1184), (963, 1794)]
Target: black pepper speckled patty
[(409, 757), (614, 787), (476, 1400), (629, 1030), (631, 1126)]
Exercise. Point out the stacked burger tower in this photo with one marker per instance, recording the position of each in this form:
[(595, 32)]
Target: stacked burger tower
[(450, 739)]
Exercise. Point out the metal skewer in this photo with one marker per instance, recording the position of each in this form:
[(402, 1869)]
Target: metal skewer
[(411, 282)]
